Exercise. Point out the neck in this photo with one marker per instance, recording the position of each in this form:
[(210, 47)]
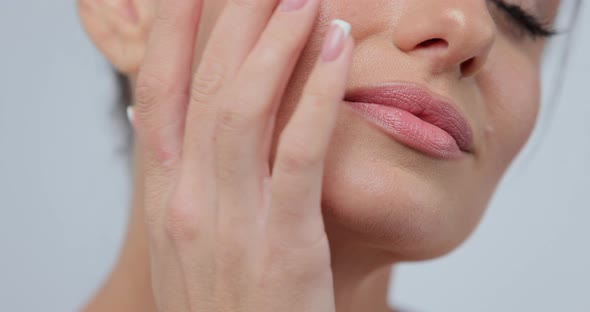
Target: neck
[(361, 273)]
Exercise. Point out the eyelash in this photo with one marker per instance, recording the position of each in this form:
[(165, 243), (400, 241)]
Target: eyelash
[(526, 22)]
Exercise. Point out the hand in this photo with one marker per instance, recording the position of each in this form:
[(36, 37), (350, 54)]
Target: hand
[(228, 232)]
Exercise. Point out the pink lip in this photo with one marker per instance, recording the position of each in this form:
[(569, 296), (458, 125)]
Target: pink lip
[(416, 118)]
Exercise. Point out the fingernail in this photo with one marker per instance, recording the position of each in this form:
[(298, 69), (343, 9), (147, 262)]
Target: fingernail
[(292, 5), (130, 114), (335, 40)]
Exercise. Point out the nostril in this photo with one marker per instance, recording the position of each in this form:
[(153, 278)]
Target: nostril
[(434, 43)]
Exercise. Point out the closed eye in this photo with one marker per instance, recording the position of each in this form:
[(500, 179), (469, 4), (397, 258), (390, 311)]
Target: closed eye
[(523, 21)]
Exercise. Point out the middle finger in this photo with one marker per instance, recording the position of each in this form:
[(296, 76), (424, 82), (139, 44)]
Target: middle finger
[(243, 133), (237, 29)]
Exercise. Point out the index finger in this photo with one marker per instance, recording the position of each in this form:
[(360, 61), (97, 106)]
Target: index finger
[(163, 84), (162, 94)]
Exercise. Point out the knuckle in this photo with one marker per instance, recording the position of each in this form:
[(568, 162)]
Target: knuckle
[(270, 56), (153, 119), (209, 79), (163, 89), (232, 120), (181, 220), (151, 89), (297, 155), (147, 89), (163, 152), (241, 115)]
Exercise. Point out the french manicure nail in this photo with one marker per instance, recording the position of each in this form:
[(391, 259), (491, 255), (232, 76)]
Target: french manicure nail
[(130, 114), (335, 40)]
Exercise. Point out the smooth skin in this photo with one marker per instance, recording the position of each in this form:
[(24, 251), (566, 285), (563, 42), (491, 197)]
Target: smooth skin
[(225, 233), (256, 189)]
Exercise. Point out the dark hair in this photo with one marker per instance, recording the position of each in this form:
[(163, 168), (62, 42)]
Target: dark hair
[(123, 100), (558, 79), (125, 97)]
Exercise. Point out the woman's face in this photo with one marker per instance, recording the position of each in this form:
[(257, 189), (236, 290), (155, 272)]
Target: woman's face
[(388, 192)]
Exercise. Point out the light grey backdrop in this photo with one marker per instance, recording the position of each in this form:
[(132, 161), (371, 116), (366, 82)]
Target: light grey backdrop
[(64, 187)]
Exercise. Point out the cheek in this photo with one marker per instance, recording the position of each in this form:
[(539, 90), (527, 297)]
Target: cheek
[(397, 200), (511, 89), (391, 197)]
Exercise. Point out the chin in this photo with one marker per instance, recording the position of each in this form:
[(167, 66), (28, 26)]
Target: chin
[(394, 199)]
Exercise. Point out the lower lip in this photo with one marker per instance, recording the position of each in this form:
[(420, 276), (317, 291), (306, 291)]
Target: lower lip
[(410, 130)]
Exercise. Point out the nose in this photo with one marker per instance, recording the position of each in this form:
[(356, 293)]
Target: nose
[(452, 35)]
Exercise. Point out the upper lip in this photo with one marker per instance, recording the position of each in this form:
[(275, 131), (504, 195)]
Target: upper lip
[(422, 103)]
